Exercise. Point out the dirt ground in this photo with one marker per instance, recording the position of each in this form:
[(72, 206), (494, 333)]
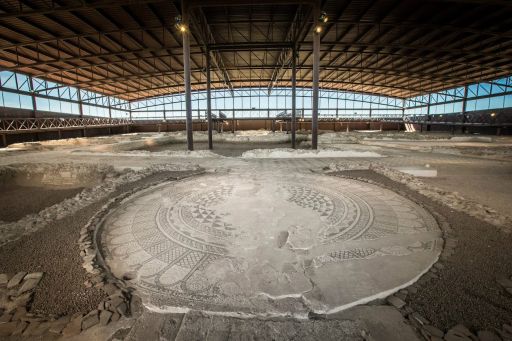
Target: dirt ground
[(34, 199), (466, 291)]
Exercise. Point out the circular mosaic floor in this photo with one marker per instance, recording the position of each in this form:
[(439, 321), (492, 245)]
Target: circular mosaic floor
[(269, 243)]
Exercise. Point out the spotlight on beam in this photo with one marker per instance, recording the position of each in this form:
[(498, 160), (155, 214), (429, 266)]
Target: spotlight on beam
[(323, 18), (178, 23)]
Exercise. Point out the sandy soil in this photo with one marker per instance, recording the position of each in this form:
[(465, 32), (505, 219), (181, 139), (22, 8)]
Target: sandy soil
[(466, 291), (34, 199)]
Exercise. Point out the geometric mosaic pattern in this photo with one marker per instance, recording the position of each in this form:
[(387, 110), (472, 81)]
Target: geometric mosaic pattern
[(210, 242)]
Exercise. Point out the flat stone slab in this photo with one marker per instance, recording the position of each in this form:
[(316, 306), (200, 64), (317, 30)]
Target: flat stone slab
[(28, 285), (4, 278), (218, 328), (15, 280), (269, 243)]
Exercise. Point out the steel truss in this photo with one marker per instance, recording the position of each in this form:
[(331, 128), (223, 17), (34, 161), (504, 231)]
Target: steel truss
[(34, 125), (131, 49)]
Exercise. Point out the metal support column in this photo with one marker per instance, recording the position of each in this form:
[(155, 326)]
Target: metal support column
[(109, 116), (294, 94), (233, 117), (34, 103), (186, 71), (209, 99), (464, 118), (428, 113), (80, 109), (128, 126), (33, 96), (316, 77)]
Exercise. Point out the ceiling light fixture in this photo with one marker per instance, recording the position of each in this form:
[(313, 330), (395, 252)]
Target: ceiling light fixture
[(178, 23), (323, 17)]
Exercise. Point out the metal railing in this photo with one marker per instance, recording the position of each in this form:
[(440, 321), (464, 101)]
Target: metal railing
[(17, 125)]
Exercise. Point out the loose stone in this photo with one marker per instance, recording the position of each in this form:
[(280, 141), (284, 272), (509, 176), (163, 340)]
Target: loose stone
[(507, 328), (420, 319), (433, 331), (504, 335), (486, 335), (20, 312), (4, 278), (504, 282), (115, 317), (105, 316), (34, 275), (73, 328), (31, 328), (8, 328), (412, 289), (41, 329), (20, 328), (460, 333), (122, 309), (110, 289), (5, 318), (401, 295), (16, 279), (90, 320), (57, 326), (23, 299), (115, 302), (396, 302), (29, 285)]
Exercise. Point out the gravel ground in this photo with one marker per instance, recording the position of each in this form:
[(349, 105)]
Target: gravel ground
[(491, 182), (232, 149), (40, 197), (466, 291), (54, 250)]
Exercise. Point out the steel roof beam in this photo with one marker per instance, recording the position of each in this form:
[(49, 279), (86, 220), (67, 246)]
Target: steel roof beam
[(199, 20)]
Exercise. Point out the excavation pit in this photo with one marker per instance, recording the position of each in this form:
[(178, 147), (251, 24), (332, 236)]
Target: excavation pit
[(39, 186), (268, 243)]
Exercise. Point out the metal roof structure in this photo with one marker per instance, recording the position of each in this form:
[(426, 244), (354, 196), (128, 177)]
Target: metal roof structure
[(133, 49)]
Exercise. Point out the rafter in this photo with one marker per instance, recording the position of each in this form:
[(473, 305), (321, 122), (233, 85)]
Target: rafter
[(206, 38)]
